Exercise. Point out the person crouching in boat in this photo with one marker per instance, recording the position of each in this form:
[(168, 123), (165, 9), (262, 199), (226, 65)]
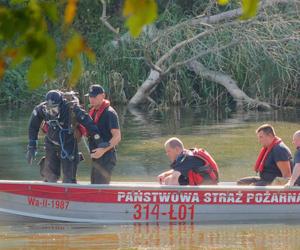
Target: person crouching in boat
[(188, 167), (274, 159), (295, 179)]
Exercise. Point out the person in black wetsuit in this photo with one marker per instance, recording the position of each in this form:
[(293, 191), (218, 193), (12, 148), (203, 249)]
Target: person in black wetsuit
[(61, 146)]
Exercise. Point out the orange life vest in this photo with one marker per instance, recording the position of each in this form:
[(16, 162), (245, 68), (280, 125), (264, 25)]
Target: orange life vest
[(105, 104), (264, 152), (195, 178), (95, 114)]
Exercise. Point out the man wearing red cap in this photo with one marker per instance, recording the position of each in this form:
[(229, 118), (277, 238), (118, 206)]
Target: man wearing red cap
[(107, 121)]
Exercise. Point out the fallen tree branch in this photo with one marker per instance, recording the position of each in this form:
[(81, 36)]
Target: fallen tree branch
[(231, 85)]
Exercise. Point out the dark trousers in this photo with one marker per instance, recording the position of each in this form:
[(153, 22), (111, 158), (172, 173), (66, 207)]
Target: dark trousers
[(102, 168), (253, 180), (263, 180), (53, 163)]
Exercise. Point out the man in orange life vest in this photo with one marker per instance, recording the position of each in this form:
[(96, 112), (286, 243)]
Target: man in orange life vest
[(273, 161), (107, 121), (189, 167)]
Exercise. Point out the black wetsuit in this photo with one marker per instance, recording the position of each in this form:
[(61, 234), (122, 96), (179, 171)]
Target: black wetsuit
[(60, 144)]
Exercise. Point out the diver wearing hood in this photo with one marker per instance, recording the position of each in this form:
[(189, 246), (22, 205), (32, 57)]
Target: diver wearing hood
[(55, 115)]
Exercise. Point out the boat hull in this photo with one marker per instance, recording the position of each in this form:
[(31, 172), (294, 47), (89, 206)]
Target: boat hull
[(121, 203)]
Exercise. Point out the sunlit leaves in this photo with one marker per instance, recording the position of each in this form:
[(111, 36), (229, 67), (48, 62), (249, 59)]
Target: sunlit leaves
[(77, 69), (70, 11), (24, 33), (51, 11), (43, 66), (250, 8), (36, 73), (223, 2), (139, 13), (23, 29), (74, 47)]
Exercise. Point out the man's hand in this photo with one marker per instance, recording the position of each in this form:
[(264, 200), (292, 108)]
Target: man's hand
[(288, 184), (31, 154), (161, 178), (98, 152)]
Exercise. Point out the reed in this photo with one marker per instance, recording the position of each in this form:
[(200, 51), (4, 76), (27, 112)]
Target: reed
[(265, 61)]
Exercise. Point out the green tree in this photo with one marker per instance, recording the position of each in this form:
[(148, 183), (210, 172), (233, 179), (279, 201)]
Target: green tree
[(25, 34)]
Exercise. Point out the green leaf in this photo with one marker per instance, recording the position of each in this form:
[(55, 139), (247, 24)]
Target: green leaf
[(223, 2), (50, 57), (139, 13), (70, 11), (90, 55), (51, 11), (77, 69), (250, 8), (36, 73), (15, 2), (74, 46)]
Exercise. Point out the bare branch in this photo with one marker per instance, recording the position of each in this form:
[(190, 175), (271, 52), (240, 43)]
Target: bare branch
[(203, 53), (180, 45), (104, 18)]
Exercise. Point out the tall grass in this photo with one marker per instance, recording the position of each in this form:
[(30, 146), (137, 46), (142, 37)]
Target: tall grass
[(262, 67)]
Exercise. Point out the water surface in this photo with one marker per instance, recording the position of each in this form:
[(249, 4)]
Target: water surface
[(229, 137)]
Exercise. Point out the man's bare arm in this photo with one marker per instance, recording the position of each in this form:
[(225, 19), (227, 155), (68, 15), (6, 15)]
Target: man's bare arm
[(116, 138), (285, 168), (295, 175)]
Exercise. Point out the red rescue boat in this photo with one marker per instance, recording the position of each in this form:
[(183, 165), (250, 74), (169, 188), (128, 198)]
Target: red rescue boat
[(126, 202)]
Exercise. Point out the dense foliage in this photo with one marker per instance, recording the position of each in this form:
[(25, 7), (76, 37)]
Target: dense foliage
[(264, 61)]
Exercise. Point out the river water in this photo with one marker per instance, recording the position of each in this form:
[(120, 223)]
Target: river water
[(229, 137)]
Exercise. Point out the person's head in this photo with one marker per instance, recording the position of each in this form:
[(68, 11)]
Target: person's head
[(265, 134), (53, 99), (96, 95), (296, 139), (173, 147)]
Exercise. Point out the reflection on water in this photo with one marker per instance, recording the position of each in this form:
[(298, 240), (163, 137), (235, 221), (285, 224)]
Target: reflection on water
[(230, 138), (182, 236)]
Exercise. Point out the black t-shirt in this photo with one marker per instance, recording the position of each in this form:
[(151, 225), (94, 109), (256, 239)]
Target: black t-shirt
[(279, 152), (297, 156), (108, 120), (184, 163), (297, 160)]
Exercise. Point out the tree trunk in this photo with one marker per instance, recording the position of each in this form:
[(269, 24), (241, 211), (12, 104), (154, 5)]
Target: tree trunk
[(145, 89), (225, 80)]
